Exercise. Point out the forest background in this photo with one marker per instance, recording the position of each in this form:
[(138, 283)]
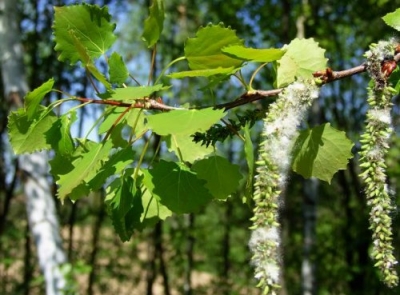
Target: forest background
[(325, 227)]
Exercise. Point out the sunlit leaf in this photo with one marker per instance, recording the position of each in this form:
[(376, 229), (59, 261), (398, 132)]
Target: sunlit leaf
[(302, 58), (184, 121), (204, 50), (117, 69), (203, 73), (87, 60), (320, 152), (84, 168), (33, 98), (153, 209), (27, 136), (253, 54), (393, 19), (182, 144), (113, 166), (153, 25), (90, 24), (135, 92)]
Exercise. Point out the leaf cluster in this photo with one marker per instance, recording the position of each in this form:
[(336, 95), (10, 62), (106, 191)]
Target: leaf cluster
[(141, 189)]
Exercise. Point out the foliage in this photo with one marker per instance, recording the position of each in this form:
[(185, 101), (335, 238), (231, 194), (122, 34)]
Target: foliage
[(139, 193)]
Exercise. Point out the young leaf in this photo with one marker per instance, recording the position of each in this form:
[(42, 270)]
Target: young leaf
[(85, 168), (153, 25), (27, 136), (90, 24), (33, 98), (176, 187), (182, 144), (252, 54), (204, 51), (393, 19), (302, 58), (117, 69), (203, 73), (183, 121), (222, 177), (135, 92), (320, 152)]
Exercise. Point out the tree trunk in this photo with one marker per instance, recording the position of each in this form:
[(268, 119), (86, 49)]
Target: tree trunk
[(41, 211)]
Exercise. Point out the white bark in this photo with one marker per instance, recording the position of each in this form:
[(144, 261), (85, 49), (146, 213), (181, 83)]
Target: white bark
[(40, 204)]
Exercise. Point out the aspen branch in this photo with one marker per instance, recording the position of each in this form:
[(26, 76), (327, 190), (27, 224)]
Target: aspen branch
[(323, 77)]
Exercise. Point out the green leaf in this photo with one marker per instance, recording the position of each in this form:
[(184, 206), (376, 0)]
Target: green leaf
[(117, 69), (320, 152), (111, 115), (28, 136), (62, 163), (182, 144), (113, 166), (135, 92), (222, 177), (59, 135), (203, 73), (249, 154), (99, 76), (393, 19), (204, 51), (153, 25), (136, 120), (176, 187), (85, 168), (124, 206), (184, 121), (87, 61), (33, 98), (302, 58), (133, 119), (252, 54), (90, 25), (153, 209), (394, 79)]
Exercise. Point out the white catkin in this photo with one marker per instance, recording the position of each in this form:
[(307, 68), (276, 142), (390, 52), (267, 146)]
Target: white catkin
[(280, 129)]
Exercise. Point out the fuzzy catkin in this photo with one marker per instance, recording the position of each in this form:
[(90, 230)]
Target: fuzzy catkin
[(280, 128), (374, 146)]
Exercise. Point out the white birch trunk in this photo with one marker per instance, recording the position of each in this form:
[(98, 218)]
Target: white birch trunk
[(40, 204)]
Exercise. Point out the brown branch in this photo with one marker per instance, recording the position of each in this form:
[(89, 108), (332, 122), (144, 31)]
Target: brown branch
[(249, 97), (324, 77), (149, 104)]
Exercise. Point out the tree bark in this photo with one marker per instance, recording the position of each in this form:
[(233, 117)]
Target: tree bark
[(41, 211)]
